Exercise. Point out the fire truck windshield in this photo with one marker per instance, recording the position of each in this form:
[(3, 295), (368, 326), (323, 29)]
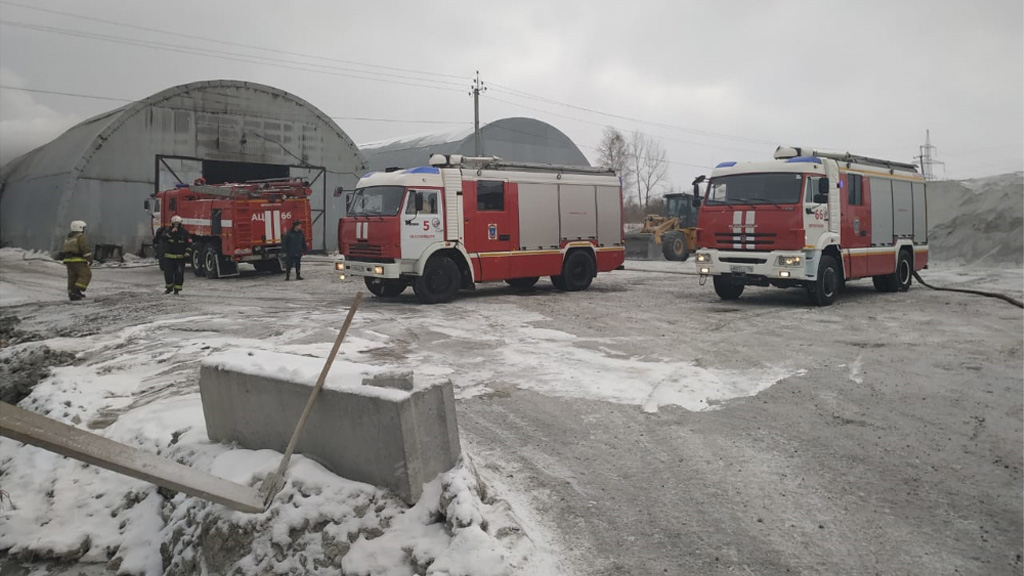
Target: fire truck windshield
[(770, 188), (376, 201)]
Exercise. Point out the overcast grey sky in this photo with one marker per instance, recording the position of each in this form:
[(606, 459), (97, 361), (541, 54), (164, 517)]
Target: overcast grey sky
[(712, 81)]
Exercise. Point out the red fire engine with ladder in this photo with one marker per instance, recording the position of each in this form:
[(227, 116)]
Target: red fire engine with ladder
[(232, 223), (463, 220), (812, 219)]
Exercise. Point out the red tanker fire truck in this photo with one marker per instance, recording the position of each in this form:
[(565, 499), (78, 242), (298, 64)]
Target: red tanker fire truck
[(812, 219), (463, 220), (232, 223)]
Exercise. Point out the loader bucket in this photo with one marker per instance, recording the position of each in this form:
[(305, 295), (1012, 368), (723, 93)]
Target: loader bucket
[(641, 246)]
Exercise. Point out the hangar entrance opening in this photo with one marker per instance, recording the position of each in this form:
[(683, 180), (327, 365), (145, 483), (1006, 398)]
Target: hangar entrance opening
[(174, 170), (219, 171)]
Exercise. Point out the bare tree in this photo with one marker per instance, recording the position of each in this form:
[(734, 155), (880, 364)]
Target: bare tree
[(613, 152), (648, 166)]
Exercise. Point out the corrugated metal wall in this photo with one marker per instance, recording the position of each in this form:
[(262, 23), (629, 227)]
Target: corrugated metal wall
[(105, 181)]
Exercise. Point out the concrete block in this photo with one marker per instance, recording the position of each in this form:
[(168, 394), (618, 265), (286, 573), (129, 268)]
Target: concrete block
[(381, 435)]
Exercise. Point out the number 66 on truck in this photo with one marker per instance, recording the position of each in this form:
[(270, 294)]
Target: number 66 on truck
[(813, 220)]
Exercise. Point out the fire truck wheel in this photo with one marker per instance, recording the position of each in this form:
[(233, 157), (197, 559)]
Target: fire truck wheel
[(558, 282), (673, 246), (578, 271), (440, 281), (198, 264), (384, 287), (522, 283), (823, 291), (904, 276), (725, 288), (881, 283), (210, 264)]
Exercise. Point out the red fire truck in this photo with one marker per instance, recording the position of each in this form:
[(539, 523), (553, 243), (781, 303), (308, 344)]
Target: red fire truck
[(812, 219), (463, 220), (232, 223)]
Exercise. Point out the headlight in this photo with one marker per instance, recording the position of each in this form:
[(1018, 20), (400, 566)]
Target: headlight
[(702, 257), (705, 270), (789, 261), (339, 266), (379, 270)]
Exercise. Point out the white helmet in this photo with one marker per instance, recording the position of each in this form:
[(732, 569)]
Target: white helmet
[(78, 226), (175, 219)]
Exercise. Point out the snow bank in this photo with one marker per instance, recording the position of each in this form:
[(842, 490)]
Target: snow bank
[(977, 222), (137, 385)]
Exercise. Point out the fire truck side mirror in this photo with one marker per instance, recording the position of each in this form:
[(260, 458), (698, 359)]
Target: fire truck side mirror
[(419, 201), (338, 191), (696, 190), (145, 205)]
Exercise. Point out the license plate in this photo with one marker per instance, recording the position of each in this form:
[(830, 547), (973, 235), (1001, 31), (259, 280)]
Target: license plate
[(746, 269)]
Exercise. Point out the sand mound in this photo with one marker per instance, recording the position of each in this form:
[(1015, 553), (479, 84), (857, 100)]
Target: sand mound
[(979, 221)]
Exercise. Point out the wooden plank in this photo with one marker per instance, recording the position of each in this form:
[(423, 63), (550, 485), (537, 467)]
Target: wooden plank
[(31, 428)]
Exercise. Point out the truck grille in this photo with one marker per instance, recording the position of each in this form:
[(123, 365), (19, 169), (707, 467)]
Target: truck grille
[(364, 249), (758, 239)]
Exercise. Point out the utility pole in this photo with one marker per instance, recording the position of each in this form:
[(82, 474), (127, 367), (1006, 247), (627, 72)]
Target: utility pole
[(477, 87), (927, 157)]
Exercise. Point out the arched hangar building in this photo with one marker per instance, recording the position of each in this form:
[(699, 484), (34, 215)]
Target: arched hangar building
[(103, 169), (516, 139)]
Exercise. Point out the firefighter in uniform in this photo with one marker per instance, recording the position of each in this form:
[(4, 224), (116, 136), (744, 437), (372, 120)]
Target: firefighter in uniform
[(294, 246), (77, 257), (176, 246)]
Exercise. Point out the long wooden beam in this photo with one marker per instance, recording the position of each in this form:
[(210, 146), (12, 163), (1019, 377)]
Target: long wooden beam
[(31, 428)]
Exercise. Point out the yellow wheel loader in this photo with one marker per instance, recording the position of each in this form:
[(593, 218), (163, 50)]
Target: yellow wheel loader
[(673, 235)]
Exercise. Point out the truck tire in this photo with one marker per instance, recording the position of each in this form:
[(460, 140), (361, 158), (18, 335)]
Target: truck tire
[(558, 282), (578, 271), (522, 283), (385, 287), (725, 288), (440, 281), (900, 280), (198, 264), (824, 290), (211, 262), (904, 275), (673, 246)]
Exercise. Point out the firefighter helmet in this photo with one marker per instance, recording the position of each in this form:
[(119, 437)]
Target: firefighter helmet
[(78, 226), (175, 219)]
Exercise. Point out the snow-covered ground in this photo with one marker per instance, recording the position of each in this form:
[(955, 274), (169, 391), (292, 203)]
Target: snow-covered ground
[(133, 378)]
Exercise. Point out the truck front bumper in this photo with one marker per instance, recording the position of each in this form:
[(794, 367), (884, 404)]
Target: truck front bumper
[(777, 265), (371, 269)]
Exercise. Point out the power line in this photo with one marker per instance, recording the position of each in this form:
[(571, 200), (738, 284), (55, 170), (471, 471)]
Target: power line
[(359, 118), (178, 34), (37, 91), (520, 94), (245, 58), (604, 125), (340, 71)]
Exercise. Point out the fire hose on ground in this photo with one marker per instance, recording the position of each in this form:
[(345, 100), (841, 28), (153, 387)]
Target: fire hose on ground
[(1009, 299)]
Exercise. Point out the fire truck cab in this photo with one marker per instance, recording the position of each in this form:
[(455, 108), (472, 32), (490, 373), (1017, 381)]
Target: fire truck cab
[(463, 220), (814, 220)]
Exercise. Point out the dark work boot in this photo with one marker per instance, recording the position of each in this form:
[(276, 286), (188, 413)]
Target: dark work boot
[(288, 275), (176, 292), (297, 277)]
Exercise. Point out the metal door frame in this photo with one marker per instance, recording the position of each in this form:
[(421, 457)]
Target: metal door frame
[(320, 175)]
